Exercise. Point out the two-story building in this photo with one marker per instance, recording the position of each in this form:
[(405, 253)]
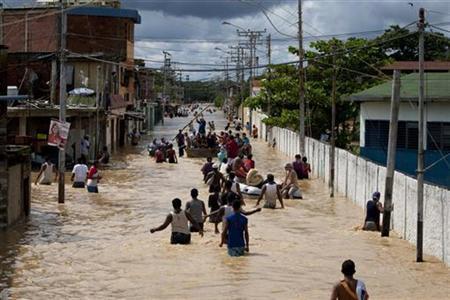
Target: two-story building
[(100, 56)]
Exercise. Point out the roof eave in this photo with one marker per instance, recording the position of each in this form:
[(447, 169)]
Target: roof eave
[(357, 98)]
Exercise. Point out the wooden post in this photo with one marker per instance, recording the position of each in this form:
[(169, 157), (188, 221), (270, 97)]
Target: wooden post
[(390, 167)]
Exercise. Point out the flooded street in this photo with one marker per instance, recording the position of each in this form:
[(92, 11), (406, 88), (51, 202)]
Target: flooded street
[(99, 246)]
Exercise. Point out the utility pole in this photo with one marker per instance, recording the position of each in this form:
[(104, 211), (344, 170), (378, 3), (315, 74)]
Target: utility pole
[(301, 83), (166, 66), (392, 147), (238, 58), (250, 80), (254, 40), (53, 80), (97, 110), (333, 125), (420, 145), (187, 89), (269, 60), (227, 86), (62, 101), (242, 79)]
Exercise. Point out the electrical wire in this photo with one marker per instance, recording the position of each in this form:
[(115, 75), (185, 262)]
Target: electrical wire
[(55, 12), (439, 28)]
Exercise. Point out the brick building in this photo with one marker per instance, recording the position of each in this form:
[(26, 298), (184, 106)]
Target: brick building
[(100, 49)]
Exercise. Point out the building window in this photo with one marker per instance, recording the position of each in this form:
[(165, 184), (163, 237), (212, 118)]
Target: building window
[(407, 135), (377, 134), (438, 136)]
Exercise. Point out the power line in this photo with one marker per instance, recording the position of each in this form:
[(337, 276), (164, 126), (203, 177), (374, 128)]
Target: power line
[(55, 11), (261, 66)]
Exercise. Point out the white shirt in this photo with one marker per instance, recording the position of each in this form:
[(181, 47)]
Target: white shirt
[(223, 168), (80, 171), (271, 194), (47, 174)]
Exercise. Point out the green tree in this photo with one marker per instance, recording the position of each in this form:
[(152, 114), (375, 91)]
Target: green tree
[(282, 86), (406, 48)]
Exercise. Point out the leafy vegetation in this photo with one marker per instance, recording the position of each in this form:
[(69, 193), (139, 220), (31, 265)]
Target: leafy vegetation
[(358, 63)]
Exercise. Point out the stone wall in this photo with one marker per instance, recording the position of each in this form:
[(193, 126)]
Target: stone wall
[(357, 179)]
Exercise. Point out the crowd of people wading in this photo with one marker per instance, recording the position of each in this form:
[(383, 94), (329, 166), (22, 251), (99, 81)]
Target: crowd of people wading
[(231, 176)]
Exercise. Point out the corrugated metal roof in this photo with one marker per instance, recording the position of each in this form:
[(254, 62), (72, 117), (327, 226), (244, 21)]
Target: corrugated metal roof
[(437, 88), (414, 66), (106, 12)]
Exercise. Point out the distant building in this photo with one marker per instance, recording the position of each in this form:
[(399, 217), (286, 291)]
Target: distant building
[(374, 124)]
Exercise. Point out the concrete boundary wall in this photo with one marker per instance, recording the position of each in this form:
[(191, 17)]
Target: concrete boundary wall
[(357, 178)]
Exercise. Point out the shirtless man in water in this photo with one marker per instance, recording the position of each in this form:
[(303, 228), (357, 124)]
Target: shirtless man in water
[(349, 288)]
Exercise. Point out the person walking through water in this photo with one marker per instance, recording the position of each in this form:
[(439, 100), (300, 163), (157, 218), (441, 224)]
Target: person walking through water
[(47, 170), (374, 208), (178, 218), (172, 155), (215, 179), (271, 192), (181, 143), (235, 233), (349, 288), (93, 178), (226, 209), (214, 204), (197, 209), (79, 174), (85, 146)]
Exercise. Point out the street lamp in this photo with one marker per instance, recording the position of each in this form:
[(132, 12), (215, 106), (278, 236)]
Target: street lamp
[(221, 50), (234, 25)]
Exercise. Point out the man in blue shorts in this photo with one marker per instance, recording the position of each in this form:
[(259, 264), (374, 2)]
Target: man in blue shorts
[(236, 228)]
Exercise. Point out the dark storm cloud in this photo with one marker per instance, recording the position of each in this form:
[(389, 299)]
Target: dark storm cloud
[(201, 8)]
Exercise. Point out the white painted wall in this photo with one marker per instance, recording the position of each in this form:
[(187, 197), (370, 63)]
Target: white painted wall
[(434, 112), (358, 178)]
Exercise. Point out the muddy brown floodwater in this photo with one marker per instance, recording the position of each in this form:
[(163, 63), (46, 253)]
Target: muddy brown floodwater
[(99, 246)]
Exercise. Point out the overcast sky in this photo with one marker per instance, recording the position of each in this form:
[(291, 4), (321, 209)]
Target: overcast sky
[(191, 29)]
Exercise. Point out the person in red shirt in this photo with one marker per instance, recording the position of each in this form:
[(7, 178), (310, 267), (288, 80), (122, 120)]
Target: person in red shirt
[(93, 178), (232, 148), (249, 163)]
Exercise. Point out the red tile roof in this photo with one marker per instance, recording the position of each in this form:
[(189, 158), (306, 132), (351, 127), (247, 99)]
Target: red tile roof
[(414, 65)]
